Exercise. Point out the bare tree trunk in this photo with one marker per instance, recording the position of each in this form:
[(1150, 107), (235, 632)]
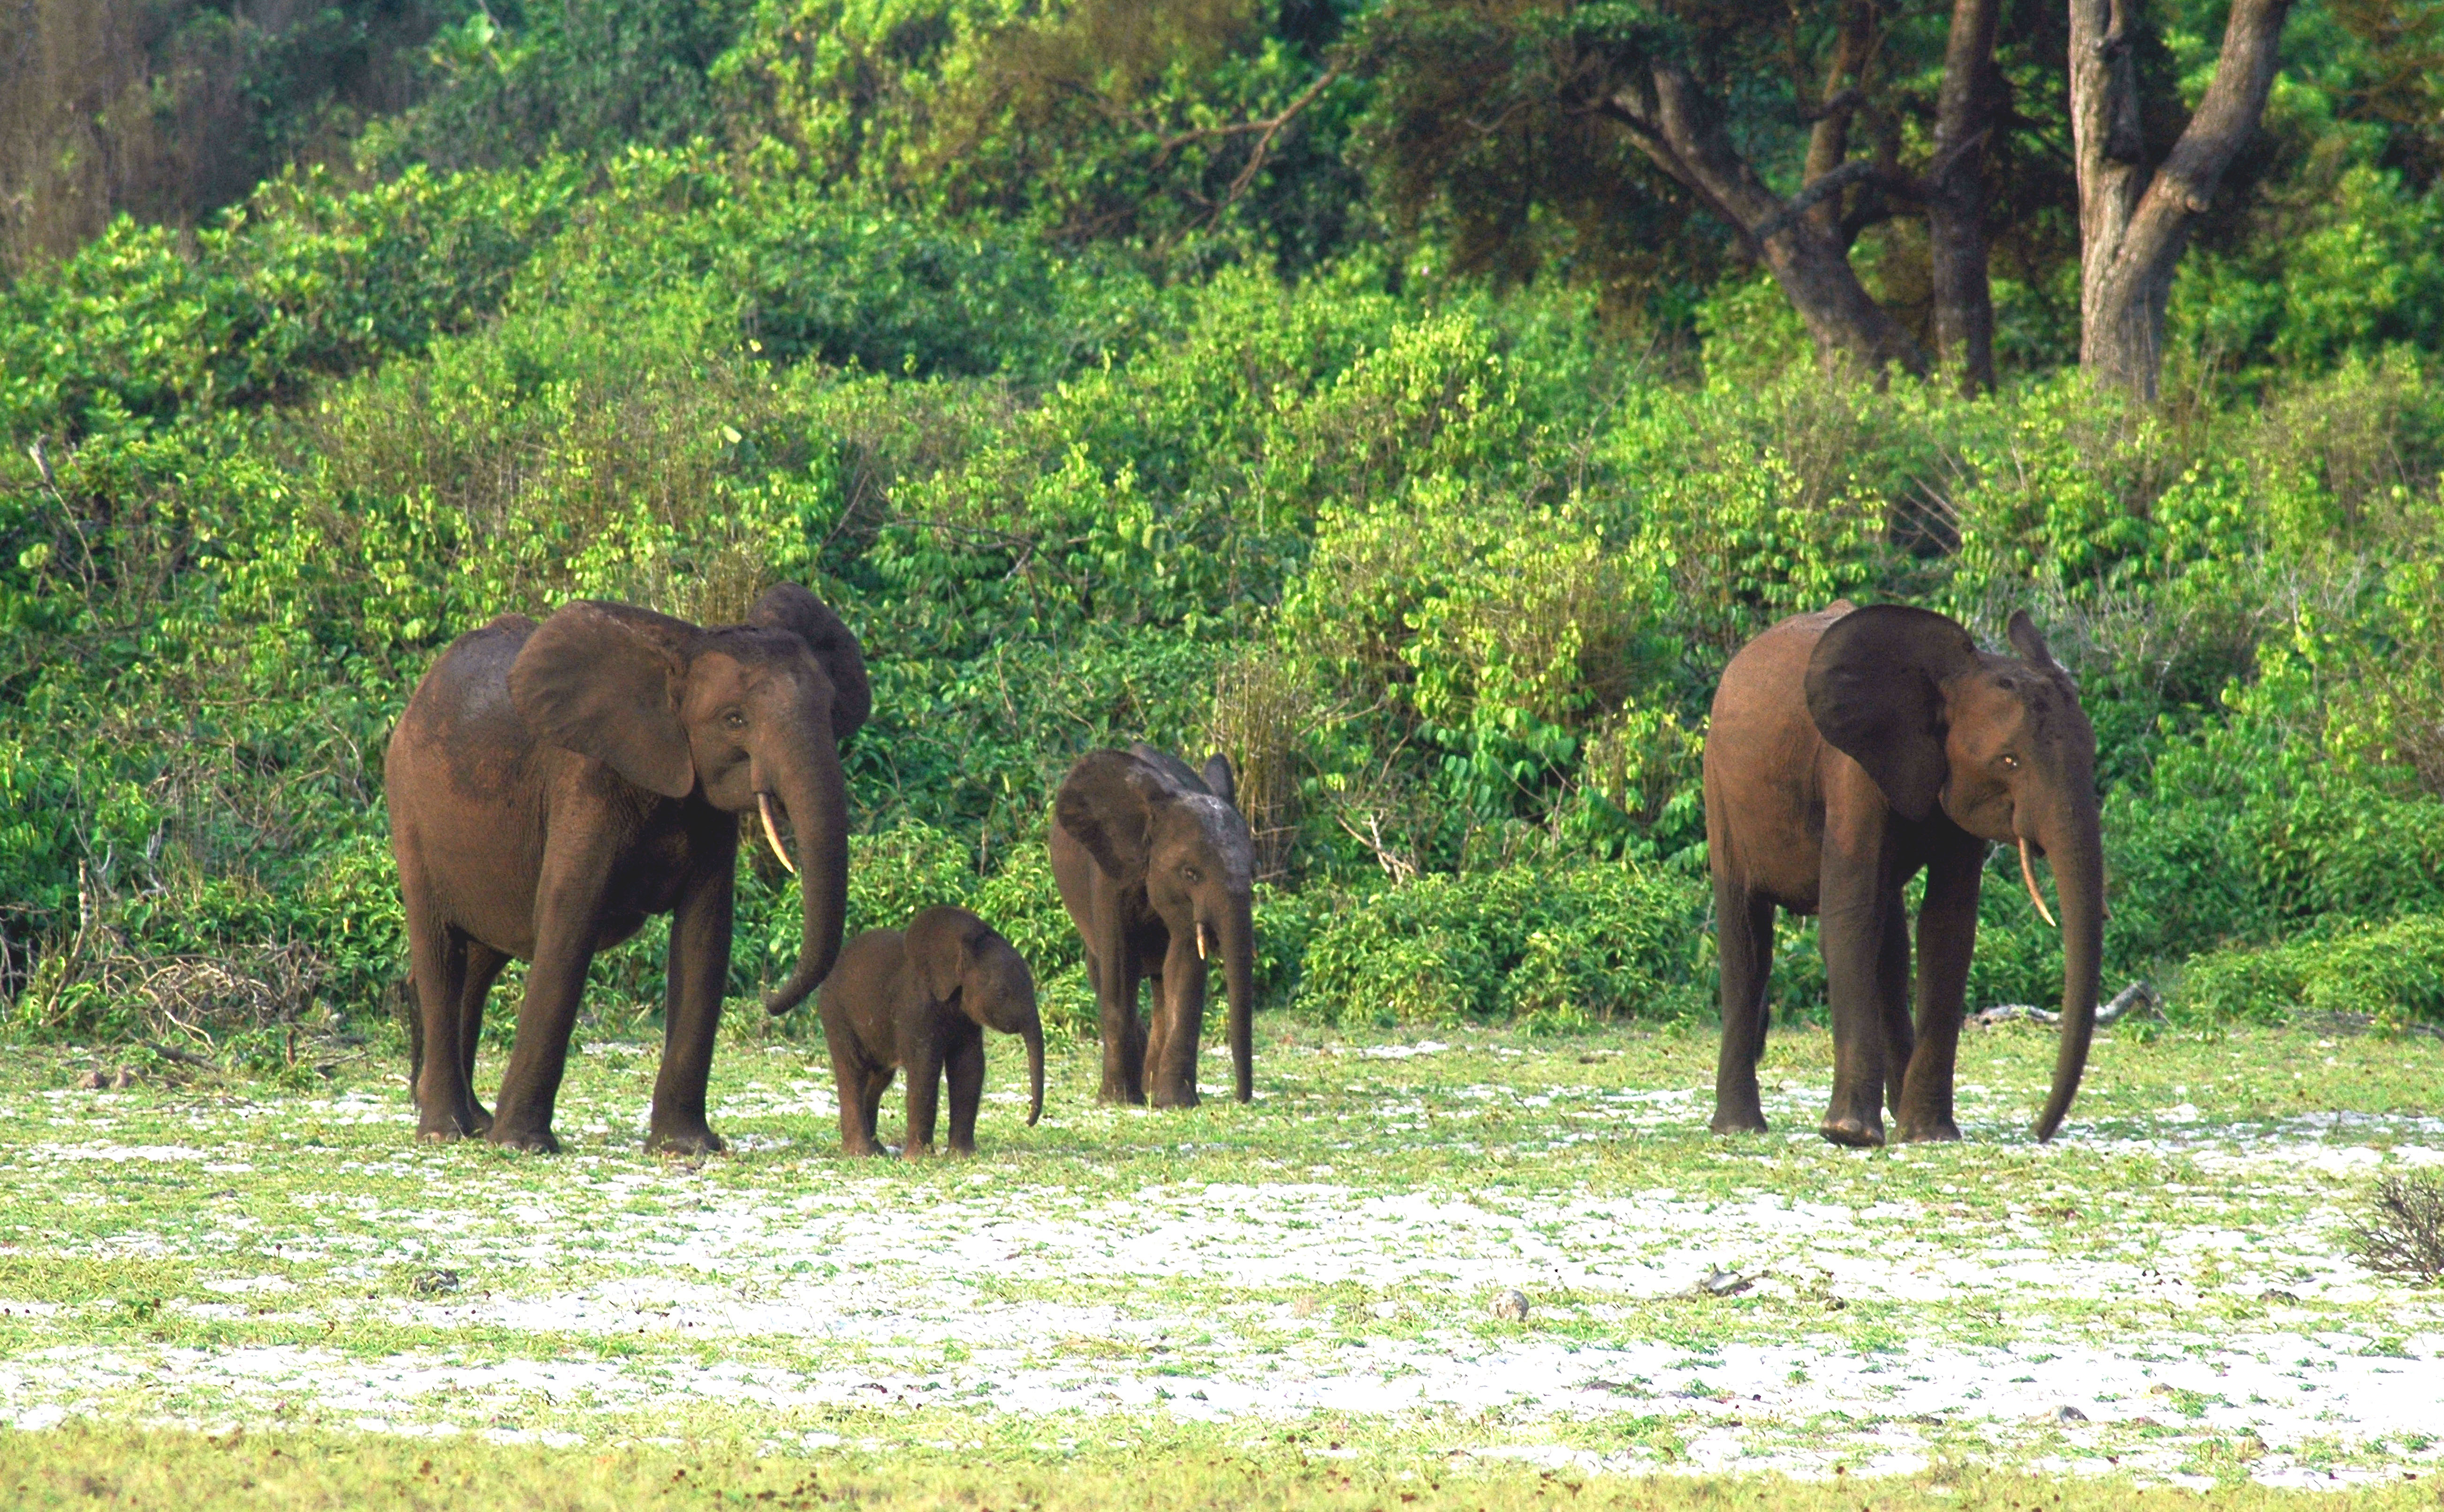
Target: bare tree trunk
[(1674, 125), (2133, 221), (1966, 114)]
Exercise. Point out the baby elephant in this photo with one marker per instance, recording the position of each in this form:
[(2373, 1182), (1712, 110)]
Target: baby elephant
[(921, 999)]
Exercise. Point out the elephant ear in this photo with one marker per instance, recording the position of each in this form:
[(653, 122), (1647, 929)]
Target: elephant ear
[(589, 682), (792, 608), (1106, 805), (941, 946), (2031, 644), (1874, 690), (1218, 778)]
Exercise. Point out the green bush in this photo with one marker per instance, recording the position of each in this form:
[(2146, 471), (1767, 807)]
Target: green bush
[(2391, 973)]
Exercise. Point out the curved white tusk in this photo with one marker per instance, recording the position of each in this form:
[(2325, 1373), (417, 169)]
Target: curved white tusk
[(2028, 875), (772, 832), (1201, 940)]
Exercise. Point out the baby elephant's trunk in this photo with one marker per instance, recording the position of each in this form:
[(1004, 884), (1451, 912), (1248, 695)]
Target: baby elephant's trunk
[(1034, 1034)]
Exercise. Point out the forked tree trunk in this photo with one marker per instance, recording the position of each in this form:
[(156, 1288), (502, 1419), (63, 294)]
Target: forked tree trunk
[(2133, 221), (1967, 112)]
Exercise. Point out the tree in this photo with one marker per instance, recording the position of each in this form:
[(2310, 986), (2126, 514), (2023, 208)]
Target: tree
[(1499, 114), (2133, 221)]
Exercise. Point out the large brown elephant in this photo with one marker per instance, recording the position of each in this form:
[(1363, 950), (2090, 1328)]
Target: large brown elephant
[(553, 786), (1850, 749), (1157, 871)]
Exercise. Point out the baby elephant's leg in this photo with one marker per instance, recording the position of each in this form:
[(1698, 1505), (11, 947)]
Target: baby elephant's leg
[(966, 1066), (924, 1097), (856, 1107)]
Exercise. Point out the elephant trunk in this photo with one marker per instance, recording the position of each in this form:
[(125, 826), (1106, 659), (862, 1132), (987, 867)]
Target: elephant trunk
[(1238, 933), (1034, 1034), (816, 795), (2076, 851)]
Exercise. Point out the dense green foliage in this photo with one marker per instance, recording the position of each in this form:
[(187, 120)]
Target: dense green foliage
[(1453, 565)]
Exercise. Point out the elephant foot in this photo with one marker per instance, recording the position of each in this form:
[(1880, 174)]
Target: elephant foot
[(478, 1123), (1732, 1123), (447, 1134), (697, 1140), (534, 1142), (1858, 1133), (1930, 1131), (1119, 1097), (1174, 1097)]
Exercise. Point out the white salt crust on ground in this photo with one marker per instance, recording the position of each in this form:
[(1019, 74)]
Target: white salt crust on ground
[(827, 1288)]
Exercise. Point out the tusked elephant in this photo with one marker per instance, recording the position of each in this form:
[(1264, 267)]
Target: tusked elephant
[(1848, 750), (553, 786), (1157, 871), (919, 999)]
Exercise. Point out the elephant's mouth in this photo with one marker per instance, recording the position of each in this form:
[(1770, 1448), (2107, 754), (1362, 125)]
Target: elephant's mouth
[(765, 803)]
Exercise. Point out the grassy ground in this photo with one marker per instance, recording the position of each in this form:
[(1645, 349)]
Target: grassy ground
[(1294, 1294)]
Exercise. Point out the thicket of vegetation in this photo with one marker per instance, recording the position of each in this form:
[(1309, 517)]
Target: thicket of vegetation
[(1114, 374)]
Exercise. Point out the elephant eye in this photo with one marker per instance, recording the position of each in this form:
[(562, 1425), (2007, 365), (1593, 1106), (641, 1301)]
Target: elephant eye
[(2010, 763), (734, 720), (1191, 873)]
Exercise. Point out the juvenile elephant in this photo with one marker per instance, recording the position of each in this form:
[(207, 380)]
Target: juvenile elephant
[(1158, 870), (920, 999), (553, 786), (1850, 749)]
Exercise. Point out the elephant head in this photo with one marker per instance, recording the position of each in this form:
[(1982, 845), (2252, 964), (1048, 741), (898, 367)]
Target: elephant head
[(2001, 748), (959, 959), (742, 715), (1150, 821)]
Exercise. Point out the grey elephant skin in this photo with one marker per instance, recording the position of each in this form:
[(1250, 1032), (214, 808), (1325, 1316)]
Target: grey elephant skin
[(919, 999), (1157, 871), (553, 786), (1848, 750)]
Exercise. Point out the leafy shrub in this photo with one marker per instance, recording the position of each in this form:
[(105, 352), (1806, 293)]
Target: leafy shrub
[(1565, 944), (2390, 973)]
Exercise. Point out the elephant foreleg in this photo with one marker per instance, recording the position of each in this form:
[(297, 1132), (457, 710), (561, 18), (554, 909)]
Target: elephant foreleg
[(567, 905), (1946, 942), (965, 1071), (1115, 974), (924, 1100), (698, 970), (1744, 941), (1893, 998), (1171, 1059)]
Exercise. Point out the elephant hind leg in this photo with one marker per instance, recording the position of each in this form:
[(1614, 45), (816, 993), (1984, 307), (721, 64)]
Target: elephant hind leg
[(1893, 997), (437, 970), (1744, 940), (484, 967)]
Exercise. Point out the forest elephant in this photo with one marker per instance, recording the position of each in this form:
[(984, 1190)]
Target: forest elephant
[(1850, 749), (553, 786), (1158, 870), (919, 999)]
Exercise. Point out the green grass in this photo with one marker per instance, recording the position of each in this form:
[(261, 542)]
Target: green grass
[(1269, 1290)]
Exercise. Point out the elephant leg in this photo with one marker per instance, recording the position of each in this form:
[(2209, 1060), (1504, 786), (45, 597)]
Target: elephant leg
[(1893, 998), (965, 1067), (438, 966), (567, 903), (1856, 897), (924, 1099), (877, 1082), (1946, 942), (848, 1085), (1744, 941), (484, 967), (1114, 975), (698, 970), (1170, 1061)]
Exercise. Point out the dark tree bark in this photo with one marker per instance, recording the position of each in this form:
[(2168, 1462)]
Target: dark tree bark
[(1966, 114), (2135, 221), (1801, 240)]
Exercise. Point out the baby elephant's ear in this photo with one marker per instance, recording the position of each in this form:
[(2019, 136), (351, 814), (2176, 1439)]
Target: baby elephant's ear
[(1220, 780), (940, 949), (1106, 803), (587, 681)]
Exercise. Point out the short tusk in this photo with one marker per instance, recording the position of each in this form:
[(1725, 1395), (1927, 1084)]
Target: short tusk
[(2028, 875), (1201, 940), (772, 835)]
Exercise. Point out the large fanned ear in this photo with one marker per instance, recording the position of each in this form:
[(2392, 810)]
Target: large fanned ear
[(1220, 780), (941, 947), (791, 608), (588, 681), (1874, 690), (1106, 805)]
